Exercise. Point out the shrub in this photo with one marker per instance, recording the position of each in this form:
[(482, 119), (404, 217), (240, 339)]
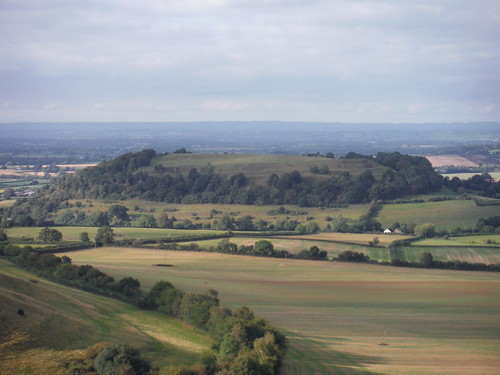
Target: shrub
[(118, 359)]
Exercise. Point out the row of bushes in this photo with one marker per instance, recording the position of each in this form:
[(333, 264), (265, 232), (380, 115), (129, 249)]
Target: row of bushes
[(262, 248)]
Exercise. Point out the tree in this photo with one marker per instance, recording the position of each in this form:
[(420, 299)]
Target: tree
[(84, 237), (129, 286), (104, 236), (425, 230), (195, 308), (426, 260), (120, 359), (119, 211), (3, 235), (164, 221), (147, 221), (264, 248), (49, 235)]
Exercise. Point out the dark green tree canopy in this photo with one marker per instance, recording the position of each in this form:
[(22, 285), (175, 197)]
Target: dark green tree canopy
[(49, 235), (105, 236)]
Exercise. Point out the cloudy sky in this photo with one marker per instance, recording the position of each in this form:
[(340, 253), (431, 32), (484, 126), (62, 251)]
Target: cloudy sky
[(302, 60)]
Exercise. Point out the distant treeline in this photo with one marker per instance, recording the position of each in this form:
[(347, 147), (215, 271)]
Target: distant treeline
[(243, 342)]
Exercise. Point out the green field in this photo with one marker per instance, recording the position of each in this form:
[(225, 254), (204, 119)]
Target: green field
[(482, 240), (73, 233), (470, 254), (446, 214), (342, 318), (60, 322)]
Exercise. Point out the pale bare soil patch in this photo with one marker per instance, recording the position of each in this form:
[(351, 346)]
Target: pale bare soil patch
[(450, 160)]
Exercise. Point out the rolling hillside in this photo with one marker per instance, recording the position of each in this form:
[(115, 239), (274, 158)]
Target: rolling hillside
[(59, 324)]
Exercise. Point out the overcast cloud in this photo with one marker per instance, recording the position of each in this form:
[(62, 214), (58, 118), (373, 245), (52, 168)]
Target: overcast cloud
[(191, 60)]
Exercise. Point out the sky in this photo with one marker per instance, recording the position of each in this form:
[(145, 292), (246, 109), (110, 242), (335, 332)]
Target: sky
[(223, 60)]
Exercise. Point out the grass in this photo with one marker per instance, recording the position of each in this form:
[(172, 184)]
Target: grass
[(60, 322), (445, 215), (342, 318)]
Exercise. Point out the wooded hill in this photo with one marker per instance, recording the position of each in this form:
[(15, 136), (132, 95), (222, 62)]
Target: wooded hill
[(252, 179), (307, 181)]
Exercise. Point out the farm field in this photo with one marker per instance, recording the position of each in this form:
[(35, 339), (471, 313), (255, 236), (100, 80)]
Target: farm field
[(493, 239), (121, 233), (465, 176), (470, 254), (451, 160), (446, 214), (61, 322), (333, 243), (339, 317)]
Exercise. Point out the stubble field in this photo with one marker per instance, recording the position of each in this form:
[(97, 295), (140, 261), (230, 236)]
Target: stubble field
[(342, 318)]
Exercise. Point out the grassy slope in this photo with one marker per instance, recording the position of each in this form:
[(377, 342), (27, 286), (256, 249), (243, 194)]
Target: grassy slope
[(344, 318), (59, 322), (258, 168)]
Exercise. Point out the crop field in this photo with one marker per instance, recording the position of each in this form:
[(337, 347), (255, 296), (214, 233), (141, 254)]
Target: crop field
[(342, 318), (258, 168), (451, 160), (446, 214), (470, 254), (73, 233), (485, 240), (60, 322)]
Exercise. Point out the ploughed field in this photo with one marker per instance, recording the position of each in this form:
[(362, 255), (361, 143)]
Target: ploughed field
[(341, 318)]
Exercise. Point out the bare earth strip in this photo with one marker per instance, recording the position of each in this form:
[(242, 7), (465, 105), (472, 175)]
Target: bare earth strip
[(450, 160)]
